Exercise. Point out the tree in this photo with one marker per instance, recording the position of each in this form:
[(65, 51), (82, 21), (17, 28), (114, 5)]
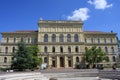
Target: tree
[(94, 55), (25, 57), (33, 50), (21, 58)]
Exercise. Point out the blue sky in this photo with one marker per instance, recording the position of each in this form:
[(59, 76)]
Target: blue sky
[(98, 15)]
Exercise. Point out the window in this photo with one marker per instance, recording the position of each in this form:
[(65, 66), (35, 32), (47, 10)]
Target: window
[(35, 40), (61, 38), (104, 40), (106, 49), (85, 40), (68, 38), (6, 50), (76, 49), (12, 58), (114, 59), (45, 49), (22, 39), (53, 49), (28, 40), (77, 59), (91, 40), (45, 59), (61, 49), (98, 40), (14, 40), (112, 48), (5, 59), (46, 38), (76, 39), (111, 40), (69, 49), (7, 40), (53, 38), (13, 49)]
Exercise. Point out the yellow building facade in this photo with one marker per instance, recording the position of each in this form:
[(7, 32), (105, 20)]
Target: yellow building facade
[(61, 43)]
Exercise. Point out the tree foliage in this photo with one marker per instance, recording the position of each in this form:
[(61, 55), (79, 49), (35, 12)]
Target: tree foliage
[(94, 55), (25, 57)]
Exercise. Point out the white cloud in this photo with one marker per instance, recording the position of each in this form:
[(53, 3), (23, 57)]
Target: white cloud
[(80, 14), (100, 4)]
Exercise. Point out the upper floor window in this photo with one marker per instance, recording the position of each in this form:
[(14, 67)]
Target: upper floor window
[(28, 40), (106, 49), (68, 38), (45, 49), (53, 38), (112, 49), (61, 49), (14, 40), (13, 49), (69, 49), (76, 39), (22, 39), (5, 59), (76, 49), (7, 40), (111, 40), (53, 49), (46, 38), (91, 40), (114, 59), (61, 38), (35, 40), (6, 50), (98, 40), (104, 40), (85, 40)]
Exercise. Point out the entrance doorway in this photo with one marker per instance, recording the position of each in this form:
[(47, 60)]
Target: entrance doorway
[(69, 63), (61, 62), (53, 63)]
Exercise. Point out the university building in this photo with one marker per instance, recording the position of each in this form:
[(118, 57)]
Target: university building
[(61, 43)]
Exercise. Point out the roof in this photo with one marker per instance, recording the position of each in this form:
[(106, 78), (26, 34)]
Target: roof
[(98, 32)]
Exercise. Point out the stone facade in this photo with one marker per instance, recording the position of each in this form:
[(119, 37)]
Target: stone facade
[(61, 43)]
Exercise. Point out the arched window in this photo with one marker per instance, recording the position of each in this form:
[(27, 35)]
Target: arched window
[(53, 49), (46, 38), (45, 49), (53, 38), (92, 40), (14, 40), (76, 39), (111, 40), (28, 40), (61, 38), (45, 59), (112, 49), (106, 49), (22, 39), (77, 59), (104, 40), (13, 49), (6, 50), (85, 40), (7, 40), (61, 49), (68, 38), (69, 49), (98, 40), (76, 49), (5, 59), (114, 59)]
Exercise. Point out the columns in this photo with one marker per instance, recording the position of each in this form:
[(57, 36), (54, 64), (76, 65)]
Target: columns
[(58, 62), (74, 61), (66, 61)]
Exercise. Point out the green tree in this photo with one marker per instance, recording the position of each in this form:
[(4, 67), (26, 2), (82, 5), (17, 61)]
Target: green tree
[(94, 55), (21, 58), (25, 57), (33, 50)]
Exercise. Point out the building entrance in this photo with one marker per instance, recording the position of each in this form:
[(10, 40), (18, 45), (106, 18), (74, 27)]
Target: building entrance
[(61, 62)]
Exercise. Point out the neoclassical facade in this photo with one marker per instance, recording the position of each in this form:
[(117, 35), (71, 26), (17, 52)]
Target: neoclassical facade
[(61, 43)]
